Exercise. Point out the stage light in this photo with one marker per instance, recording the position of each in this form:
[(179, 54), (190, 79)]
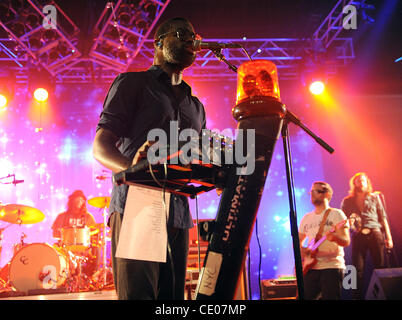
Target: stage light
[(35, 42), (257, 90), (257, 79), (41, 84), (3, 102), (125, 15), (317, 87), (41, 94), (33, 20), (150, 8), (18, 28)]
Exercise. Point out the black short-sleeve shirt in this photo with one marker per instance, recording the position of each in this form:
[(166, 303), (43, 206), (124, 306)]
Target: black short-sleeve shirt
[(138, 102), (373, 213)]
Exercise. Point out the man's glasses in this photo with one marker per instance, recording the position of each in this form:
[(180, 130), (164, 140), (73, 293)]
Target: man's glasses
[(318, 191), (182, 35)]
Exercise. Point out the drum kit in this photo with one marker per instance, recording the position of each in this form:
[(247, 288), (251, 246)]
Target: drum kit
[(72, 264)]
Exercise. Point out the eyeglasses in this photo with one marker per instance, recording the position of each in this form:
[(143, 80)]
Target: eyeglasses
[(182, 35), (318, 191)]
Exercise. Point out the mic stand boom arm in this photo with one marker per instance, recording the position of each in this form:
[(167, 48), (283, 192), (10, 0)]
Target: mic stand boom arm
[(291, 117), (221, 57)]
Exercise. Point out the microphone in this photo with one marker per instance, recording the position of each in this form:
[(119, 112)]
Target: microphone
[(198, 45)]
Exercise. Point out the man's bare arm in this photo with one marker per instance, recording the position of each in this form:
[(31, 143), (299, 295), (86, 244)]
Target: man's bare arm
[(106, 152)]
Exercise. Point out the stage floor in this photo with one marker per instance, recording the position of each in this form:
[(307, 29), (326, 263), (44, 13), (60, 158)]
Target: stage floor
[(91, 295)]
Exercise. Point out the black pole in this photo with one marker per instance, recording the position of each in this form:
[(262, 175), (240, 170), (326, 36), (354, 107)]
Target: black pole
[(237, 211), (292, 212)]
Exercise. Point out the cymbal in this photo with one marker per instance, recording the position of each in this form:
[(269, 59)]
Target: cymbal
[(99, 202), (19, 214)]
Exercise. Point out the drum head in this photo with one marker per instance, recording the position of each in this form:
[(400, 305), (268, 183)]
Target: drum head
[(76, 239), (35, 266)]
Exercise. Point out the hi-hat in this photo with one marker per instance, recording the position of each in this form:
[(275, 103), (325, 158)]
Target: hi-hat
[(99, 202), (19, 214)]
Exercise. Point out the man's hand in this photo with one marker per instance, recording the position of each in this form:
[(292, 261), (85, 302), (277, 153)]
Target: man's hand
[(142, 152), (339, 236), (305, 252), (388, 243)]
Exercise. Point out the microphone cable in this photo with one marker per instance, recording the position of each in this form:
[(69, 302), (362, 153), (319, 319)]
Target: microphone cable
[(259, 260), (249, 272), (198, 235)]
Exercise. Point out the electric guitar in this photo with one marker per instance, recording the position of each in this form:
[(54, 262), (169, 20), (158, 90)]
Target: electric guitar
[(309, 259)]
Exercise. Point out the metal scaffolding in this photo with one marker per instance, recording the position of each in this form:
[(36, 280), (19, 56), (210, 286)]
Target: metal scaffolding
[(121, 43)]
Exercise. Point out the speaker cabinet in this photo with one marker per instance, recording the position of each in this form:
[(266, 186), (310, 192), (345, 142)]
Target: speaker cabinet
[(385, 284)]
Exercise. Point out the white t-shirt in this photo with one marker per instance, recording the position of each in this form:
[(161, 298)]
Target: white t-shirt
[(330, 255)]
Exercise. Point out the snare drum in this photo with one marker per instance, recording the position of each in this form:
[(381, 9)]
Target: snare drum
[(76, 239), (38, 266)]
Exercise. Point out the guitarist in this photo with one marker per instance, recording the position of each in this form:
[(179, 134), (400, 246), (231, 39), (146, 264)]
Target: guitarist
[(367, 235), (323, 275)]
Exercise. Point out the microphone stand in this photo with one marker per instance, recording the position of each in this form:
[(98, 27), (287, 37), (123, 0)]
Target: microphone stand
[(289, 117), (1, 237)]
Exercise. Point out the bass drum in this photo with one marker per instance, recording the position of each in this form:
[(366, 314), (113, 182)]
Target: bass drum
[(38, 266)]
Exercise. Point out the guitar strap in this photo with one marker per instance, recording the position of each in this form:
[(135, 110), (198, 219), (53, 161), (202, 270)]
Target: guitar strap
[(321, 229)]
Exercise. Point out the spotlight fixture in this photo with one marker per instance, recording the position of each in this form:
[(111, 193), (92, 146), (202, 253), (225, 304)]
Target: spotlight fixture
[(40, 83), (6, 90), (32, 20), (125, 15), (150, 8), (35, 42), (3, 102), (6, 14), (49, 35), (18, 28), (41, 94), (141, 23), (317, 87)]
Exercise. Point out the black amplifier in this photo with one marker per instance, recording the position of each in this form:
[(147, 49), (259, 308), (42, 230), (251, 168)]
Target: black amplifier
[(282, 288)]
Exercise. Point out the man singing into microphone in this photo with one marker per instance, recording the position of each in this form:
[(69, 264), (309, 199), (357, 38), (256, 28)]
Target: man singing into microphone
[(136, 103)]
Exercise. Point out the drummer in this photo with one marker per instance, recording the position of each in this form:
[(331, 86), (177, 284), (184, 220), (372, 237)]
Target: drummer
[(75, 216), (78, 216)]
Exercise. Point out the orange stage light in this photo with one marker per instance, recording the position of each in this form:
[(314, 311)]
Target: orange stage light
[(317, 87), (41, 94), (257, 90), (258, 78)]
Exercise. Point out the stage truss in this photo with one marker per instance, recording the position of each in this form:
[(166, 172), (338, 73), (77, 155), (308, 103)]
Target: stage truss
[(122, 41)]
